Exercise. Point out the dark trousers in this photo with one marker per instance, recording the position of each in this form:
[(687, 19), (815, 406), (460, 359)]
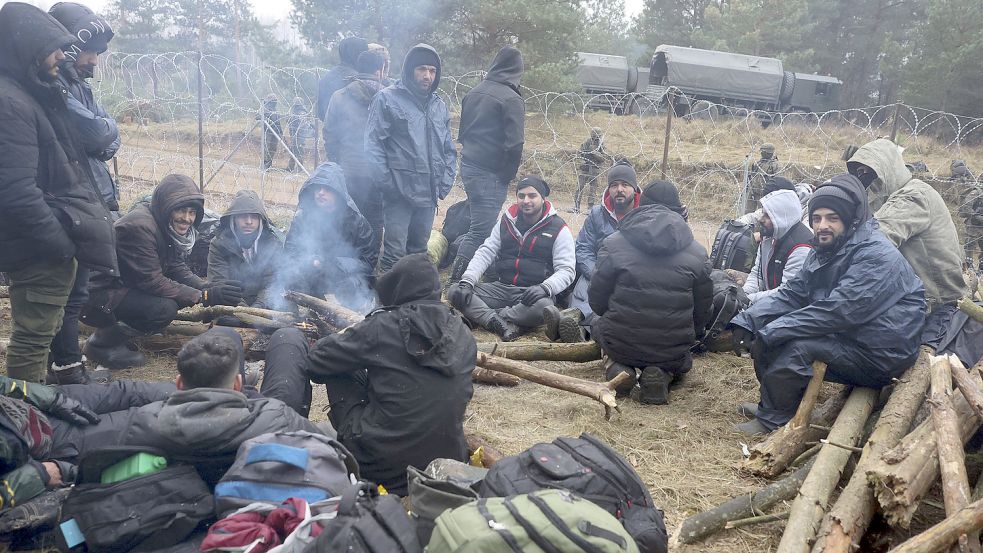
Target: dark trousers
[(285, 375), (145, 312), (369, 202), (784, 373), (65, 346), (407, 230), (486, 194), (491, 298)]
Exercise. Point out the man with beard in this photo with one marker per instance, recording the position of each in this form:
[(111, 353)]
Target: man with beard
[(330, 244), (349, 110), (785, 244), (411, 154), (855, 305), (534, 254), (52, 218), (491, 134), (622, 195), (247, 249)]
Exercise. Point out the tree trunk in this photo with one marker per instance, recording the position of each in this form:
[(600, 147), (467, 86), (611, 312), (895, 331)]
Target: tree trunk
[(543, 351), (710, 522), (809, 507), (850, 516), (974, 311), (495, 378), (946, 533), (489, 453)]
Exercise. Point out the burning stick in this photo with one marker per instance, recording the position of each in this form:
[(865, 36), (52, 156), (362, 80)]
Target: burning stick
[(333, 312)]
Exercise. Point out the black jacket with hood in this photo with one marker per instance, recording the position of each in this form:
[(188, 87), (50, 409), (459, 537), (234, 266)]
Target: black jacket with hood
[(51, 209), (337, 77), (651, 289), (347, 116), (226, 257), (418, 355), (316, 235), (493, 115)]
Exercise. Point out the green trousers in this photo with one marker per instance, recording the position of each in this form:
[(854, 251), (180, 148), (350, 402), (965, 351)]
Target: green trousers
[(38, 294)]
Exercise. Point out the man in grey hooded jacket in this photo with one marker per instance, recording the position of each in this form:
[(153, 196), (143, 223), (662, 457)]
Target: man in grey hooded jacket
[(785, 244)]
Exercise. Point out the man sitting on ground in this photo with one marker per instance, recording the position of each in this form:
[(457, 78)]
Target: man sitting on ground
[(399, 381), (246, 249), (622, 195), (533, 252), (651, 294), (785, 243), (855, 305)]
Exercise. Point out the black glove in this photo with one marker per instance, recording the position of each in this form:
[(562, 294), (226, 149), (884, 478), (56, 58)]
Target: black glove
[(463, 292), (70, 410), (534, 294), (741, 339), (228, 292)]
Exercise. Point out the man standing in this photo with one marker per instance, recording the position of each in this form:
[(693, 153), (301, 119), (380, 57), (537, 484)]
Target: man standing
[(52, 216), (622, 195), (335, 79), (410, 153), (272, 130), (761, 172), (534, 254), (855, 305), (590, 159), (349, 110), (651, 294), (100, 139), (301, 130), (492, 133), (785, 244), (915, 218)]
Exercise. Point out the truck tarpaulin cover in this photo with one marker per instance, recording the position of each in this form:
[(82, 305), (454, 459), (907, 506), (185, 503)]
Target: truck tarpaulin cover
[(602, 72), (723, 74)]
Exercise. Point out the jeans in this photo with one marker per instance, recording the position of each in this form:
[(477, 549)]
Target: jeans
[(492, 298), (486, 194), (38, 294), (65, 346), (407, 230)]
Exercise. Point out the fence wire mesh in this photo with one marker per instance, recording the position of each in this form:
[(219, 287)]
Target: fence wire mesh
[(155, 101)]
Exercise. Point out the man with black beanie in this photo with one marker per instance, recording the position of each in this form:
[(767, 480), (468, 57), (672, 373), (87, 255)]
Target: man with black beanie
[(534, 254), (410, 153), (334, 80), (855, 305)]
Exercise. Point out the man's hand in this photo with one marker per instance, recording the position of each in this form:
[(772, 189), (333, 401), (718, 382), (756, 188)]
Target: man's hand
[(228, 292), (54, 474), (463, 292), (70, 410), (534, 294), (741, 339)]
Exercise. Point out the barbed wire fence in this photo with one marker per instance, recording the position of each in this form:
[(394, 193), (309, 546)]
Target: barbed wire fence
[(157, 99)]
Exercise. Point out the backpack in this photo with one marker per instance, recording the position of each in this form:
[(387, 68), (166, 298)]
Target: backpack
[(368, 523), (734, 247), (729, 299), (444, 485), (274, 467), (547, 521), (592, 470), (140, 514)]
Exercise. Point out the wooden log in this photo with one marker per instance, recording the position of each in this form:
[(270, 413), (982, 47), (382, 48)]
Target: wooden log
[(710, 522), (811, 503), (848, 519), (543, 351), (185, 329), (602, 392), (903, 475), (974, 311), (967, 386), (176, 335), (489, 453), (331, 310), (262, 323), (206, 314), (495, 378), (756, 520), (943, 535)]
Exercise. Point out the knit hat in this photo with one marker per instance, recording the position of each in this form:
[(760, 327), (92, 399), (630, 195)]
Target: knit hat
[(412, 278), (623, 172), (536, 182), (421, 56), (92, 32), (370, 62), (662, 192), (837, 199), (349, 48), (777, 183)]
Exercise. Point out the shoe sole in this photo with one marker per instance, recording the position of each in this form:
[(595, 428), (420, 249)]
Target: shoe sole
[(570, 331), (552, 321)]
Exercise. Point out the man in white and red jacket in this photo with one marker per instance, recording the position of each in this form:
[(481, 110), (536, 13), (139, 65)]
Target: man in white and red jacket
[(533, 252)]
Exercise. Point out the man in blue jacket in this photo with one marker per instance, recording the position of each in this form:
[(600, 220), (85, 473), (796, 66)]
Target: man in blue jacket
[(856, 305), (410, 153)]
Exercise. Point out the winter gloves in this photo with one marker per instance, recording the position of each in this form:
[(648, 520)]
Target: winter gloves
[(534, 294), (741, 339), (70, 410), (227, 292)]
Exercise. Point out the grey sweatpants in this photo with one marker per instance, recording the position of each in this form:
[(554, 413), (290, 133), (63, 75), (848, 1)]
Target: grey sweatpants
[(490, 298)]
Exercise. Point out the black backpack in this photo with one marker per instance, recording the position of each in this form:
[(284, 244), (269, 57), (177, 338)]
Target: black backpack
[(734, 247), (143, 513), (368, 523), (591, 469), (729, 299)]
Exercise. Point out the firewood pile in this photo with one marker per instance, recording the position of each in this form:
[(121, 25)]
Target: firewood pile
[(883, 450)]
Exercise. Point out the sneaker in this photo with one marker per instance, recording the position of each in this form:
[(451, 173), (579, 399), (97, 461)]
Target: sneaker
[(654, 384), (551, 320), (748, 410), (506, 331), (569, 327), (752, 427)]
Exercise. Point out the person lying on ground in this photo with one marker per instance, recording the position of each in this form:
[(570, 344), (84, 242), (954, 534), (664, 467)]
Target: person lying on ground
[(534, 254), (785, 243), (856, 305)]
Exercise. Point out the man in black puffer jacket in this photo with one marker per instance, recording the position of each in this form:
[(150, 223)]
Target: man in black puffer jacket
[(651, 293), (400, 381), (51, 216)]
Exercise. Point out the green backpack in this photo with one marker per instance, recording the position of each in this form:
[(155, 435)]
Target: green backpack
[(547, 521)]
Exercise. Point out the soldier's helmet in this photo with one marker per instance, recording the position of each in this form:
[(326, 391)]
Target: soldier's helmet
[(595, 133), (768, 148)]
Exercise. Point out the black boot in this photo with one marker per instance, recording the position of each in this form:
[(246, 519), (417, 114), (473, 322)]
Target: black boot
[(613, 370), (654, 384), (506, 331), (110, 348), (72, 373), (570, 329), (551, 320)]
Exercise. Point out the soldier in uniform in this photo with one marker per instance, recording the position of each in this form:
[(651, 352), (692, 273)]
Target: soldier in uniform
[(590, 159), (960, 173), (761, 171)]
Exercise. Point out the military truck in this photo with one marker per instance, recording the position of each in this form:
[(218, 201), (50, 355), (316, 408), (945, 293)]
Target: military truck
[(706, 81)]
